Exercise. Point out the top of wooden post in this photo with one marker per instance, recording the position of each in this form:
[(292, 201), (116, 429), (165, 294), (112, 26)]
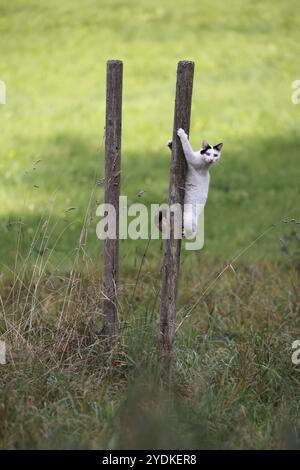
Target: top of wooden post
[(114, 62)]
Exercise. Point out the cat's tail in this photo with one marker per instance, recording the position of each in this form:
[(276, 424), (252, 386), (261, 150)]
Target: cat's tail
[(162, 221), (160, 218)]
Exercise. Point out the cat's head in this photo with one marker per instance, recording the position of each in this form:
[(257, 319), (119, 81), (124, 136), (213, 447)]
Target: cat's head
[(211, 153)]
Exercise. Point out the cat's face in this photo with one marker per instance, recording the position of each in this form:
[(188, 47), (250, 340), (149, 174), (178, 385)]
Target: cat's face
[(210, 154)]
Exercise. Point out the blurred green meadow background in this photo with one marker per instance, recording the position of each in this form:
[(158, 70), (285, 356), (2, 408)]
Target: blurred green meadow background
[(53, 60), (234, 384)]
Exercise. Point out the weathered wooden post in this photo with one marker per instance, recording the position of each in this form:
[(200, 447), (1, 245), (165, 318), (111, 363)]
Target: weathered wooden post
[(113, 129), (170, 268)]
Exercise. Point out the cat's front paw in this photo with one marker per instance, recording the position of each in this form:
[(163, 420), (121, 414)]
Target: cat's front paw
[(181, 133)]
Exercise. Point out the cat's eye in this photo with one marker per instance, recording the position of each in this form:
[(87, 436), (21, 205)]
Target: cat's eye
[(215, 154)]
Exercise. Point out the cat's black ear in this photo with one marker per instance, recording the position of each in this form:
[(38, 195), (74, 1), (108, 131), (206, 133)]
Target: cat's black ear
[(218, 147)]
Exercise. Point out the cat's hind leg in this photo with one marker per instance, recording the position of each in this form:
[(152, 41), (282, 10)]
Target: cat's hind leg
[(189, 225)]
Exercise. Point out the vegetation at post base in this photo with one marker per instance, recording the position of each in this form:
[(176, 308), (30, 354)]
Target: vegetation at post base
[(233, 384)]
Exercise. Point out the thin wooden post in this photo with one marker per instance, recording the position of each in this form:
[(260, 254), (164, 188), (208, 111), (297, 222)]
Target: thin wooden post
[(113, 129), (170, 268)]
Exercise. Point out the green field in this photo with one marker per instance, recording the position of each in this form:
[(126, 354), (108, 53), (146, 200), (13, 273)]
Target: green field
[(53, 61)]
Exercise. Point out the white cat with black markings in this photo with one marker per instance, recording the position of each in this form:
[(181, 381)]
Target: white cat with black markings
[(197, 180)]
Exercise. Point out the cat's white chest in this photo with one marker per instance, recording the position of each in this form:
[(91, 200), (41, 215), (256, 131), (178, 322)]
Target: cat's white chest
[(196, 185)]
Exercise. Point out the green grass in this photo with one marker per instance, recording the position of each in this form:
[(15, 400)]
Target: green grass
[(234, 384), (53, 60)]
